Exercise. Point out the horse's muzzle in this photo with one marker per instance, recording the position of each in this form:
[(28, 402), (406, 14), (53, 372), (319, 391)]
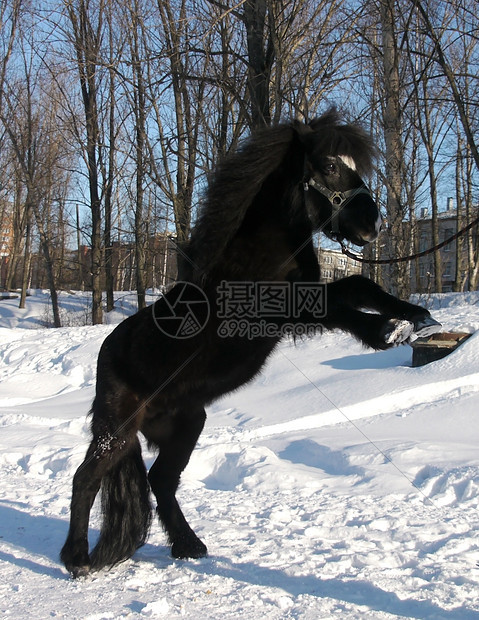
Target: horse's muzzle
[(372, 234)]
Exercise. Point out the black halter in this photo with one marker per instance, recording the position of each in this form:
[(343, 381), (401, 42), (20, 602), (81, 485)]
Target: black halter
[(337, 199)]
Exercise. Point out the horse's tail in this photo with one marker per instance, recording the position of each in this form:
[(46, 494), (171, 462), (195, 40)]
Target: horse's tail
[(126, 510)]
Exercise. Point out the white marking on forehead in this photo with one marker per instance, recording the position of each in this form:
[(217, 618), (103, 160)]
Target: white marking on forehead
[(349, 161)]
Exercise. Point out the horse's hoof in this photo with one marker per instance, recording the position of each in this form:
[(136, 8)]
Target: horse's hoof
[(426, 326), (76, 562), (79, 571), (194, 549), (398, 331)]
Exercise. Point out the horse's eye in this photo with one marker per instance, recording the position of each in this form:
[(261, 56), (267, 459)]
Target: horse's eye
[(330, 168)]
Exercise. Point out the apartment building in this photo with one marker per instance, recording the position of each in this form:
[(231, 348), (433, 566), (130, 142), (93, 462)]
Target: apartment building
[(335, 265)]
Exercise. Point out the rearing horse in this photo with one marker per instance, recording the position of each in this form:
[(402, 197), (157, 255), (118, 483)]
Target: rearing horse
[(157, 372)]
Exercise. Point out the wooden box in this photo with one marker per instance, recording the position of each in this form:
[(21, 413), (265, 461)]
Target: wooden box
[(436, 347)]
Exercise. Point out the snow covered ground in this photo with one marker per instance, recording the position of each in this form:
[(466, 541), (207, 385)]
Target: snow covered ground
[(342, 481)]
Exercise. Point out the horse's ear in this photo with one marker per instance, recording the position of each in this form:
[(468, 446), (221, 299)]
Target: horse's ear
[(304, 133)]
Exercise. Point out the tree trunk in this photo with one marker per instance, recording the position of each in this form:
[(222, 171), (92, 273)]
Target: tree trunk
[(109, 175), (260, 56), (140, 128), (45, 245), (26, 266), (459, 220), (86, 43), (399, 281)]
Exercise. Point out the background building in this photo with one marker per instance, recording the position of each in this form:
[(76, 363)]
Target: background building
[(422, 269), (335, 265)]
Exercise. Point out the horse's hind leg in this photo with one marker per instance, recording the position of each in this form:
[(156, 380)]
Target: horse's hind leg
[(86, 484), (114, 459), (164, 476)]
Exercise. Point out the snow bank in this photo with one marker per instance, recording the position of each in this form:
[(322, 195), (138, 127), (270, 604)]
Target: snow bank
[(341, 481)]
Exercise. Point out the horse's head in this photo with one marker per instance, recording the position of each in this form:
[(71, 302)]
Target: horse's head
[(337, 200)]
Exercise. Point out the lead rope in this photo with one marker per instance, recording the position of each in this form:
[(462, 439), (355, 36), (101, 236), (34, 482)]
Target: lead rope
[(403, 259)]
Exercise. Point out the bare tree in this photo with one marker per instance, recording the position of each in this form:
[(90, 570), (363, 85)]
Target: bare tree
[(29, 120), (432, 121), (137, 57), (261, 53), (452, 92), (295, 54), (108, 162), (394, 147), (10, 219), (10, 13), (447, 67), (86, 21), (467, 250)]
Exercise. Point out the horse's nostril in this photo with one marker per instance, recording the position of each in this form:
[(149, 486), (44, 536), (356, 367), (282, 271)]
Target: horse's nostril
[(367, 238)]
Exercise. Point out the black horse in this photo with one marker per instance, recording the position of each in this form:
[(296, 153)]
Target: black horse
[(159, 369)]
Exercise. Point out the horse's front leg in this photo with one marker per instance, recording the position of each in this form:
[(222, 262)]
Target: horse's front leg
[(374, 330), (357, 292)]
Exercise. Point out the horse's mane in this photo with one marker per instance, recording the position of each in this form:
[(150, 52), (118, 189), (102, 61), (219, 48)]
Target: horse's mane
[(231, 189), (237, 180)]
